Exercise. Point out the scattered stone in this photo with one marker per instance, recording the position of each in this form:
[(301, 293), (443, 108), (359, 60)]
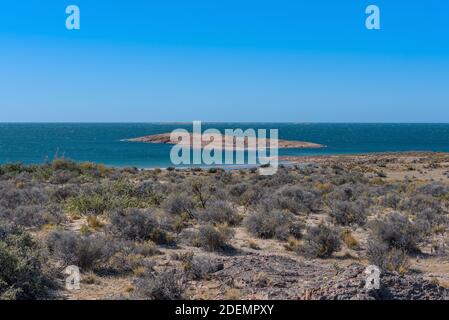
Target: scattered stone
[(350, 285)]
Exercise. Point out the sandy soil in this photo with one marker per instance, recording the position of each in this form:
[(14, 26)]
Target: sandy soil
[(267, 269)]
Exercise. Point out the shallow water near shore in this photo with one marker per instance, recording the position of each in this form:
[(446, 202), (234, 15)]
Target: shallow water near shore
[(39, 142)]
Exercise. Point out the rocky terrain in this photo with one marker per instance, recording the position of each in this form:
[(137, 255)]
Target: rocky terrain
[(308, 232), (350, 285)]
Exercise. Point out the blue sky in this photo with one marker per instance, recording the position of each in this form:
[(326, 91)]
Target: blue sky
[(184, 60)]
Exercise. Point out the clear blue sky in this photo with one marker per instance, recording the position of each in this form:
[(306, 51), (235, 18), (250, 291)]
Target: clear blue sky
[(233, 60)]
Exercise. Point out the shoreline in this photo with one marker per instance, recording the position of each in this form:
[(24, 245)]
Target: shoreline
[(365, 154), (291, 161), (283, 160)]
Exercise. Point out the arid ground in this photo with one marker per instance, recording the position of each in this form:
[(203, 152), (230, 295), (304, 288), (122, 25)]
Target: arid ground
[(307, 232)]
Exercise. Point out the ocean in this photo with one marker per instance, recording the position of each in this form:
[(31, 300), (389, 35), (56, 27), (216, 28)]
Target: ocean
[(102, 142)]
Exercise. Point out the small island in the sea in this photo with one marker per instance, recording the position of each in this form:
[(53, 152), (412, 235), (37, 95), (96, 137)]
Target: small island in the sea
[(227, 142)]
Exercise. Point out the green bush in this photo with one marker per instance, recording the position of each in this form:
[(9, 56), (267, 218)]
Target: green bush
[(64, 164), (153, 192), (21, 268), (86, 204)]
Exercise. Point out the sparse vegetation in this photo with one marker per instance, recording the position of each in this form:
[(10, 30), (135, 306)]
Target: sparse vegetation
[(166, 230), (349, 239), (321, 241), (397, 231), (345, 213), (214, 239), (22, 274), (133, 224), (178, 204), (199, 267), (273, 224), (386, 258), (86, 252), (168, 285), (219, 212)]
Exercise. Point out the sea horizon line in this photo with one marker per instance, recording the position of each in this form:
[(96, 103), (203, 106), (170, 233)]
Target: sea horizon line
[(220, 122)]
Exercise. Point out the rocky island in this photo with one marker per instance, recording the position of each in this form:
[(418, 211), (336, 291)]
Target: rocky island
[(227, 142)]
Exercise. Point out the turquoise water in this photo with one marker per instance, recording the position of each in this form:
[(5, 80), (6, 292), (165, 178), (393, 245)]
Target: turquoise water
[(36, 143)]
